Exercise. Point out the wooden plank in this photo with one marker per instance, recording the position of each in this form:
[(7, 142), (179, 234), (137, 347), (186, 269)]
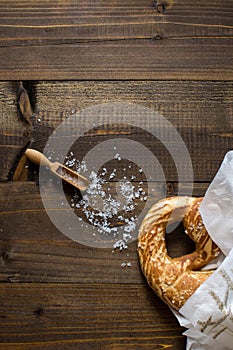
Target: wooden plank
[(86, 40), (200, 111), (15, 133), (84, 316), (195, 109), (110, 25), (206, 58), (180, 101), (47, 23), (32, 249), (89, 300)]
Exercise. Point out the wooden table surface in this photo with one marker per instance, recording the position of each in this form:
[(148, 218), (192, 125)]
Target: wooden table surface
[(59, 58)]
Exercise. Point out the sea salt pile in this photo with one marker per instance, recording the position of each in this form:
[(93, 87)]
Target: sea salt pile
[(106, 207)]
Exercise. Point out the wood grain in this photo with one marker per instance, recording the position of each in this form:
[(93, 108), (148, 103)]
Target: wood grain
[(32, 249), (163, 59), (195, 109), (175, 60), (58, 293), (89, 40), (84, 316), (200, 111), (15, 133)]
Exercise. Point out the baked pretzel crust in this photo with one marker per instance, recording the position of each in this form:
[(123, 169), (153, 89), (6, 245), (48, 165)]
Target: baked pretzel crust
[(175, 280)]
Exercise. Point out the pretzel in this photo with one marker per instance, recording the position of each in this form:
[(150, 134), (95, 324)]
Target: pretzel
[(175, 280)]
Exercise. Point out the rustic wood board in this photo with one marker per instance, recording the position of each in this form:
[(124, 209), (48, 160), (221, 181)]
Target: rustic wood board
[(175, 59), (38, 252), (73, 296), (115, 40), (85, 316), (195, 109), (162, 59), (58, 260), (200, 111), (14, 132)]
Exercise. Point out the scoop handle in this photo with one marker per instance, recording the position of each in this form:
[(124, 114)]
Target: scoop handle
[(37, 157)]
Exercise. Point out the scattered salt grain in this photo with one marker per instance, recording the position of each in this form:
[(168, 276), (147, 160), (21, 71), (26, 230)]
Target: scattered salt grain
[(113, 174), (124, 264), (100, 207), (117, 156), (70, 162), (120, 245), (104, 172)]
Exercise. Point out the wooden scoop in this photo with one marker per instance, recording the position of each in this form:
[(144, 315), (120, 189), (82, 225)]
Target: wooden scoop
[(58, 169)]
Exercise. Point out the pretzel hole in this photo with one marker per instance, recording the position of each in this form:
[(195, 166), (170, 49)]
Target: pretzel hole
[(177, 242)]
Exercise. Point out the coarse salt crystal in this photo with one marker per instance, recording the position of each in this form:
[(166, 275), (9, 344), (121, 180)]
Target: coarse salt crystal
[(100, 207)]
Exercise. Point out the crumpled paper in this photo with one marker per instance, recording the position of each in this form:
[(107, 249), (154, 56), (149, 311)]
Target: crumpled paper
[(208, 313), (217, 206)]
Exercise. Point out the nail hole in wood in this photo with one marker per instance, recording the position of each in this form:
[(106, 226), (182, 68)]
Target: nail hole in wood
[(160, 6), (38, 311)]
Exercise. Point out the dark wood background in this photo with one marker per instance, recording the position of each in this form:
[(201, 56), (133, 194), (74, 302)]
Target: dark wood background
[(173, 57)]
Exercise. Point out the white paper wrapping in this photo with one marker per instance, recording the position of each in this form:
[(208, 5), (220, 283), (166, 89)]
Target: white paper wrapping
[(208, 313), (210, 309)]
